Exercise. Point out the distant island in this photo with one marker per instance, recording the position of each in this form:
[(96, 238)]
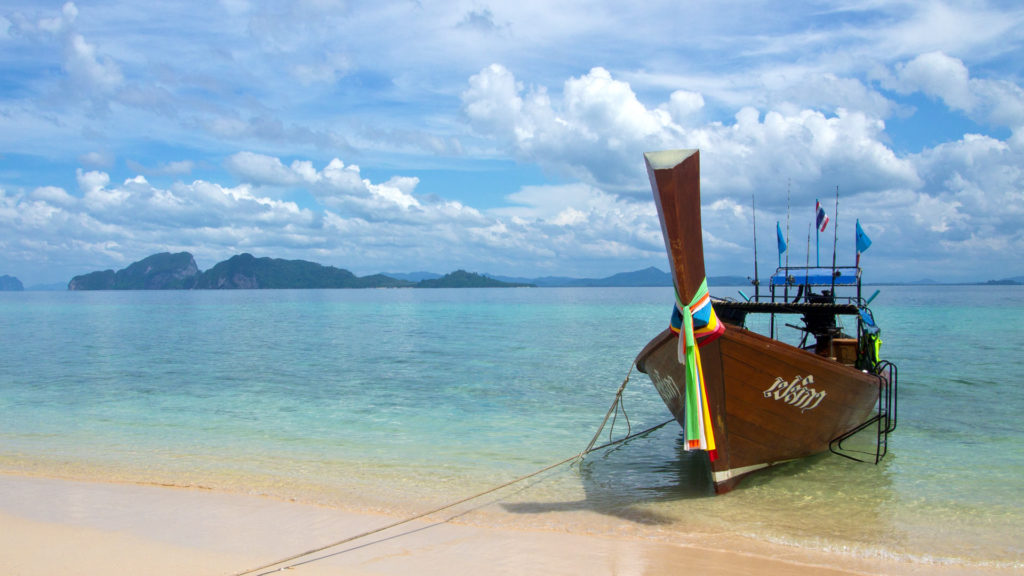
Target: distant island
[(463, 279), (166, 271), (10, 284), (1006, 281)]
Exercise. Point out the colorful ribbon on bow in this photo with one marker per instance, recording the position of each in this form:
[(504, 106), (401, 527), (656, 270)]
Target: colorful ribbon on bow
[(697, 324)]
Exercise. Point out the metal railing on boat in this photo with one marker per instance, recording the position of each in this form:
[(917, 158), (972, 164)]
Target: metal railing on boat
[(884, 421)]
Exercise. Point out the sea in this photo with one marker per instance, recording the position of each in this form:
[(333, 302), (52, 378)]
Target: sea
[(397, 401)]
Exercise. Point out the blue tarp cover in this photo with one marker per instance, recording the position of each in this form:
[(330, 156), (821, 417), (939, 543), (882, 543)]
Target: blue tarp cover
[(815, 279)]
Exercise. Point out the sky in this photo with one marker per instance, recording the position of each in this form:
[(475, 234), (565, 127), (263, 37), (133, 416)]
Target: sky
[(508, 137)]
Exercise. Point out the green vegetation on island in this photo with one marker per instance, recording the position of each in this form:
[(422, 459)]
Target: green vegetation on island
[(166, 271), (247, 272), (463, 279)]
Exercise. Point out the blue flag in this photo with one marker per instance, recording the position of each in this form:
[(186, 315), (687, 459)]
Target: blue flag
[(782, 241), (863, 242)]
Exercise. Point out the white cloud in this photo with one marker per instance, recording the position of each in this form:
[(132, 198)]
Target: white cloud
[(610, 106), (937, 75), (1001, 103), (546, 202), (924, 27), (261, 169), (96, 159), (493, 104), (53, 195), (579, 220), (591, 133), (397, 191), (88, 70), (345, 179), (683, 105), (54, 25), (92, 181), (599, 127), (975, 185)]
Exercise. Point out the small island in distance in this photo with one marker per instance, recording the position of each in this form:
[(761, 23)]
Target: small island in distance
[(10, 284)]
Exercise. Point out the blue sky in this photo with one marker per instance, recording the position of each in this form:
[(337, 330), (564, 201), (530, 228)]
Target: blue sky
[(507, 137)]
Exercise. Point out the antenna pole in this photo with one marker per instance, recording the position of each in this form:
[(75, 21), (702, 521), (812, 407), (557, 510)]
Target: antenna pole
[(835, 242), (757, 281), (807, 267), (817, 237), (787, 222)]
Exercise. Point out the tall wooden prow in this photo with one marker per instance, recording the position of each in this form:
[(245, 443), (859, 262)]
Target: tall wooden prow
[(679, 212)]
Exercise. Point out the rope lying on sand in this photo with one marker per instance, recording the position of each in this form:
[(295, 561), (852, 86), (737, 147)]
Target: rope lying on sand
[(616, 405)]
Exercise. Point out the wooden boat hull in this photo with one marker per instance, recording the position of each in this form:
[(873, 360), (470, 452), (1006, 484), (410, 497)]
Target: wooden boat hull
[(770, 402)]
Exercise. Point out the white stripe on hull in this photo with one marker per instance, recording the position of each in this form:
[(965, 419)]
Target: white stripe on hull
[(724, 475)]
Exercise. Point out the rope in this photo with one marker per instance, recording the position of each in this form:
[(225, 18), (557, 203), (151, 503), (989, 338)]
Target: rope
[(616, 403), (590, 448)]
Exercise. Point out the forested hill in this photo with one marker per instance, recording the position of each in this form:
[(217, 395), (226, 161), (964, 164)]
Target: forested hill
[(247, 271), (163, 271), (463, 279), (166, 271)]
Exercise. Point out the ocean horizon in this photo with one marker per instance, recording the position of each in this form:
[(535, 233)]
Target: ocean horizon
[(393, 401)]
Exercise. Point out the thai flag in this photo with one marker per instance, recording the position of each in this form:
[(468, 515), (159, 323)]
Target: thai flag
[(822, 217)]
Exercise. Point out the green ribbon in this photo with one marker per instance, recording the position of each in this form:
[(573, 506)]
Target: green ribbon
[(688, 356)]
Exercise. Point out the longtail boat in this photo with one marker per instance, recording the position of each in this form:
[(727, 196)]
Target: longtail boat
[(750, 400)]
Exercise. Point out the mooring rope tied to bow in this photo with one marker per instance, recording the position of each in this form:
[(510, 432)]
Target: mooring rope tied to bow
[(613, 410)]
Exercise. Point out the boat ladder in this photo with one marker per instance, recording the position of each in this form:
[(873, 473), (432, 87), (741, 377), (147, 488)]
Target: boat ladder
[(884, 420)]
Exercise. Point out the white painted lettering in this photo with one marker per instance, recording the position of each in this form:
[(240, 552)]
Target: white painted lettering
[(796, 392)]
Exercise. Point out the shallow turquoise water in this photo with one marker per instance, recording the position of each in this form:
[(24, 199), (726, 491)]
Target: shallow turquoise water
[(390, 399)]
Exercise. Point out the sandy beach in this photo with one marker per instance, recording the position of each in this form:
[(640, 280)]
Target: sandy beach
[(54, 527)]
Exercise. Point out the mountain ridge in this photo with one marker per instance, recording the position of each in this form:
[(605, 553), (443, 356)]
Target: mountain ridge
[(166, 271)]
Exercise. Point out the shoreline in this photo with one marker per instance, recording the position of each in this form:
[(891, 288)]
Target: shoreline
[(59, 526)]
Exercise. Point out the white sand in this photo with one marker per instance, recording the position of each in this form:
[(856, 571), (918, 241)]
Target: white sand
[(54, 527)]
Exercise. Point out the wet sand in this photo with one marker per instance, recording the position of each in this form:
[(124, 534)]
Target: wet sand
[(54, 527)]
